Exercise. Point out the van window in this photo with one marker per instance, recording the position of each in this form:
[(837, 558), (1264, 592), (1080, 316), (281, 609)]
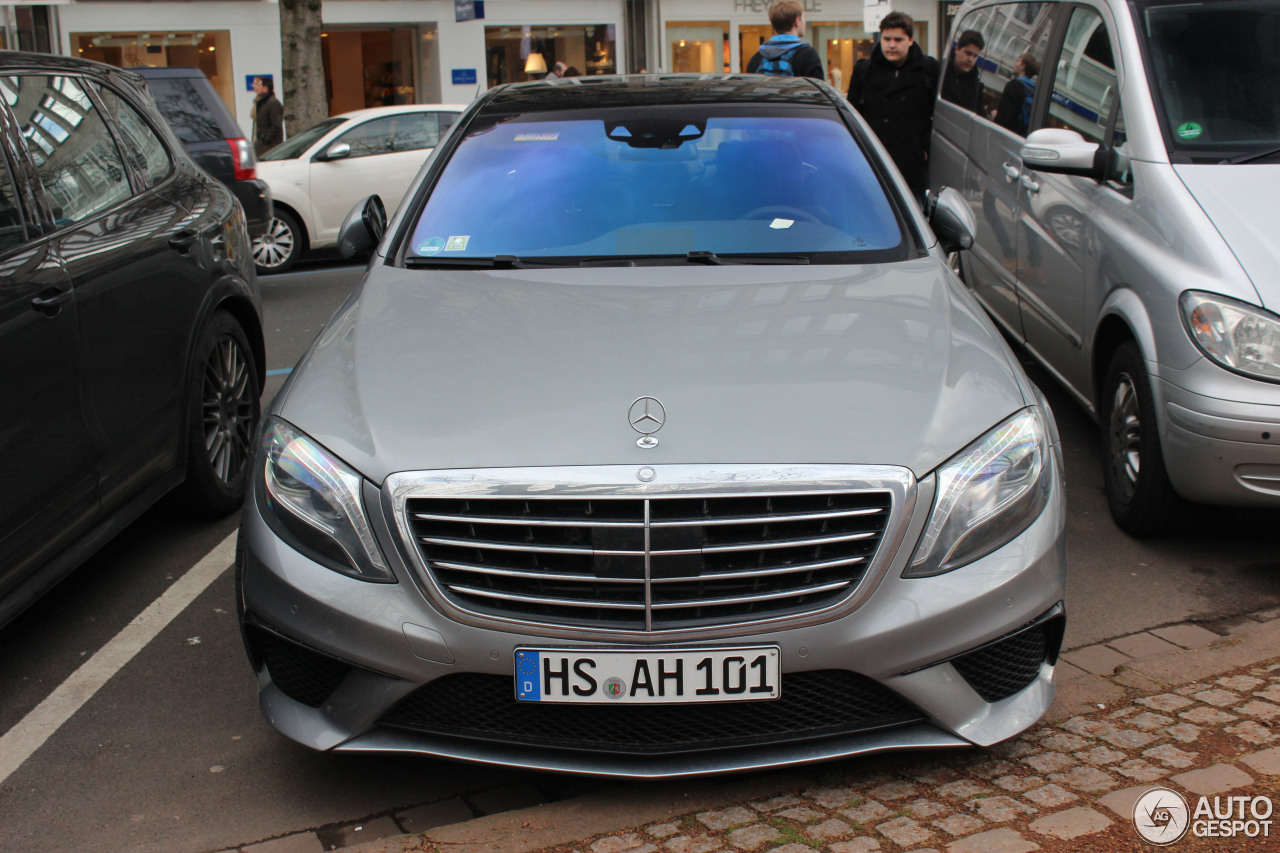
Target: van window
[(1214, 70), (1017, 39), (1119, 176), (1084, 84)]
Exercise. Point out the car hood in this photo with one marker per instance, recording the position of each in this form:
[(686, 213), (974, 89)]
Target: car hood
[(1236, 199), (890, 364)]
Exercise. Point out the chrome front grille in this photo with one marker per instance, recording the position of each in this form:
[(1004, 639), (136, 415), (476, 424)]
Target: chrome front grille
[(648, 563)]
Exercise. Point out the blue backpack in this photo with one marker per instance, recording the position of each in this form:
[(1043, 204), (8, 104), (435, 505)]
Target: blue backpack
[(1030, 86), (780, 66)]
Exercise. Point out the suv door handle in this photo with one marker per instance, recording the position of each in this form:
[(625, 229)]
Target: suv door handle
[(184, 239), (1031, 185), (1011, 172), (51, 300)]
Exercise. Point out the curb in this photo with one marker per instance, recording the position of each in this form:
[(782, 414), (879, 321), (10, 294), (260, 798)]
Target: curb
[(1087, 679)]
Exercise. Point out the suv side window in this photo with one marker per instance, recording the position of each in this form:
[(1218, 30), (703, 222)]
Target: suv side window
[(1084, 84), (147, 152), (1017, 40), (78, 162), (184, 109), (13, 232)]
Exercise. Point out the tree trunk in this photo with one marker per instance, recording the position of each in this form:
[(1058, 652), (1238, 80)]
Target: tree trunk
[(302, 90)]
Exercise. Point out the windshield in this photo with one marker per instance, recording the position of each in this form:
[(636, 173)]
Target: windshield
[(1215, 73), (660, 182), (293, 147)]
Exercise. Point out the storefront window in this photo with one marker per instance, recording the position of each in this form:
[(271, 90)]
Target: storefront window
[(210, 51), (517, 53), (698, 47), (380, 67)]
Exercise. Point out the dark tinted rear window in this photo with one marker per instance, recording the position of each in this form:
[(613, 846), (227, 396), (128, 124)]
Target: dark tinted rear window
[(187, 109)]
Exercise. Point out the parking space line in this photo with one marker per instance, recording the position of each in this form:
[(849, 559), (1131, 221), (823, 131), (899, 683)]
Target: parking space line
[(18, 744)]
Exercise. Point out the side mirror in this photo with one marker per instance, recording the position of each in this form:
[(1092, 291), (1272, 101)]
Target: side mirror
[(1065, 152), (952, 220), (336, 151), (363, 228)]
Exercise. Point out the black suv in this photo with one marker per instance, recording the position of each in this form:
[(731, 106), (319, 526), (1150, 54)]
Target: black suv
[(205, 126), (131, 347)]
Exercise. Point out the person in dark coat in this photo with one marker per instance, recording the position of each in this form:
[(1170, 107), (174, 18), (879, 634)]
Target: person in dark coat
[(963, 82), (894, 90), (268, 116), (787, 19)]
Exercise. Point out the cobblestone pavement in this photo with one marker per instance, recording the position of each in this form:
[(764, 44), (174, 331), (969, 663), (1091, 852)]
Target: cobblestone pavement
[(1053, 788), (1069, 786)]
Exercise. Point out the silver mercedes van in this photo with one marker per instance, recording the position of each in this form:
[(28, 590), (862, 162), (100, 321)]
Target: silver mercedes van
[(1121, 159)]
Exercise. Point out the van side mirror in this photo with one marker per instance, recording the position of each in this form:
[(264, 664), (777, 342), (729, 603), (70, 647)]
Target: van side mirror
[(363, 228), (1065, 152), (952, 220)]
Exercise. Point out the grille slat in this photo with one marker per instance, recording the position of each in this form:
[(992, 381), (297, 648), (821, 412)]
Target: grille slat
[(561, 602), (658, 563), (749, 599), (766, 572)]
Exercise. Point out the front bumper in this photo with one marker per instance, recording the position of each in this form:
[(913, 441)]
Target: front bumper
[(1222, 447), (910, 638)]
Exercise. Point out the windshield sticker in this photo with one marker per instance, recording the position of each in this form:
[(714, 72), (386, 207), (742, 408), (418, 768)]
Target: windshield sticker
[(431, 246), (782, 223), (1190, 130), (537, 137), (457, 244)]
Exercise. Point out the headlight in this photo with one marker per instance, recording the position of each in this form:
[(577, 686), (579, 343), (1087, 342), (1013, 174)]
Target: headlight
[(313, 502), (1237, 336), (986, 496)]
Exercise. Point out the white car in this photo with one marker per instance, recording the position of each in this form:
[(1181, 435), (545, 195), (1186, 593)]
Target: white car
[(317, 176)]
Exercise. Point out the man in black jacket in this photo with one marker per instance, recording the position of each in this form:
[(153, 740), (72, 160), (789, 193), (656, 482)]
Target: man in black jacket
[(786, 55), (963, 83), (895, 90)]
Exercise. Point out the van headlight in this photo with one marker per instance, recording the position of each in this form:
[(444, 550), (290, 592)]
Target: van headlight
[(1234, 334), (986, 495), (312, 500)]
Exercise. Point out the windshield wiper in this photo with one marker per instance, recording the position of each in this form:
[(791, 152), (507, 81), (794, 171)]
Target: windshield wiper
[(713, 258), (1250, 156), (497, 262)]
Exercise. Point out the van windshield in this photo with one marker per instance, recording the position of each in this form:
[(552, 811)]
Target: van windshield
[(1214, 68), (663, 184)]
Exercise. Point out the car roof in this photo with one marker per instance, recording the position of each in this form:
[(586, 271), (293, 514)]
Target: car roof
[(371, 112), (633, 90)]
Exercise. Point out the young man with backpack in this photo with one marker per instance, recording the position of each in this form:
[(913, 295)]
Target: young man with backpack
[(787, 54), (894, 91), (1014, 108)]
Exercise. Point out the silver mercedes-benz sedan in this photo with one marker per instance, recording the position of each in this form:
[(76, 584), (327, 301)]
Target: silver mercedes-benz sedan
[(658, 439)]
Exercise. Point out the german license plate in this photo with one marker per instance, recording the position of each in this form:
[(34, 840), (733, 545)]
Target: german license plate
[(671, 676)]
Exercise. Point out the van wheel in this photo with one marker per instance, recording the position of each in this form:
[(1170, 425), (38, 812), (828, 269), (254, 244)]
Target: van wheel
[(222, 416), (278, 249), (1141, 497)]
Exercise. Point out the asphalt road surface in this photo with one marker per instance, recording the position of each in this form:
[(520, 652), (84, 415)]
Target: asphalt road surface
[(171, 754)]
